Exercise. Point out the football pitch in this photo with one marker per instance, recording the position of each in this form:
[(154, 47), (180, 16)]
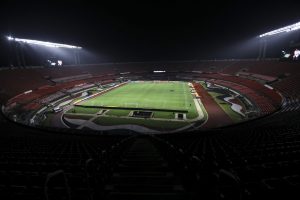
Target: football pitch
[(169, 96), (164, 100)]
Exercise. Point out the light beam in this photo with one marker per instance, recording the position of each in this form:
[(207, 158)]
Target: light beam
[(42, 43), (289, 28)]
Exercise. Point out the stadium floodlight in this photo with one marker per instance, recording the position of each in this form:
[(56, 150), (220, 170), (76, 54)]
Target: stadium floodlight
[(289, 28), (47, 44), (10, 38)]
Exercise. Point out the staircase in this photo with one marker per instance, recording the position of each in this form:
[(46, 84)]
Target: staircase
[(143, 173)]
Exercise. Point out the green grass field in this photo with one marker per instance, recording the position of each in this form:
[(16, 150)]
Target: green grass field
[(148, 95), (84, 110), (118, 112), (164, 99)]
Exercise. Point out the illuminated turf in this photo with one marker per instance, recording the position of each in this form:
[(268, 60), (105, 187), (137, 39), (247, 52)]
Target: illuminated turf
[(164, 100), (170, 96)]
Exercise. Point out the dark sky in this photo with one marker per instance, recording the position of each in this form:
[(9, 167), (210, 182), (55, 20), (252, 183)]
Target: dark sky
[(146, 30)]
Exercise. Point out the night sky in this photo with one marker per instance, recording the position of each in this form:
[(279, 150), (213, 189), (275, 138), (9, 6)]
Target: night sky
[(119, 31)]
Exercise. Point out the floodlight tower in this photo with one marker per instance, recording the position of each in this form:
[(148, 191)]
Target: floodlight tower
[(76, 56), (264, 38), (19, 42), (262, 48), (17, 48)]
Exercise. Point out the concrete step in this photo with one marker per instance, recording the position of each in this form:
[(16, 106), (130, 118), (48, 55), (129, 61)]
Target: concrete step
[(143, 180), (147, 168), (142, 158), (148, 156), (146, 196), (143, 163), (153, 188), (145, 173)]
